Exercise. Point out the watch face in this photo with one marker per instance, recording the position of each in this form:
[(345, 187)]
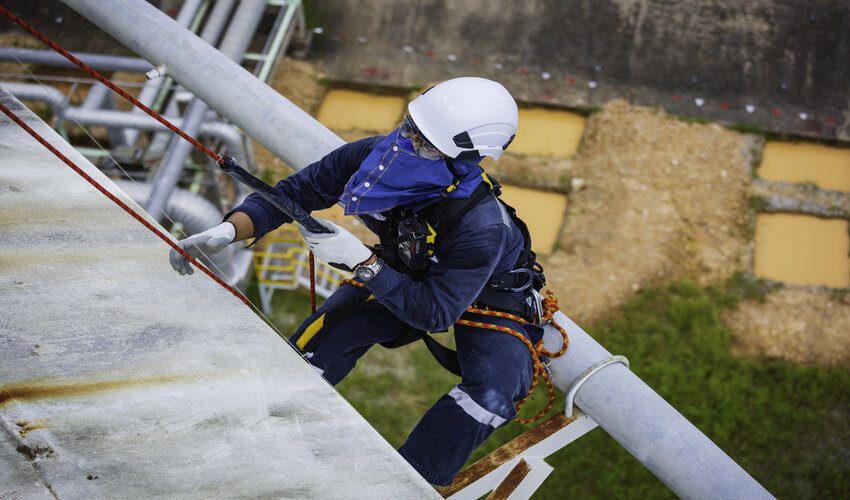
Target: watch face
[(365, 273)]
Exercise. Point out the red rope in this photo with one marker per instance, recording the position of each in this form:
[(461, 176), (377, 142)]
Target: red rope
[(120, 203), (312, 283), (118, 90)]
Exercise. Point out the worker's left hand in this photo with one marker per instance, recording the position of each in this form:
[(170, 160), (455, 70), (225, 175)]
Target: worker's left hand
[(213, 240), (338, 248)]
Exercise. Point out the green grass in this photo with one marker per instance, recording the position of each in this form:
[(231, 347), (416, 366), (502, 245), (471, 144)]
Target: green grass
[(756, 203), (585, 111), (789, 426)]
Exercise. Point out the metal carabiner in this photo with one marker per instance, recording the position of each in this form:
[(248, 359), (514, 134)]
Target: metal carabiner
[(538, 305), (535, 307)]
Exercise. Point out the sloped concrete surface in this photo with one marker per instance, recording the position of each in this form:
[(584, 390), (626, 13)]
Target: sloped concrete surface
[(18, 480), (119, 378)]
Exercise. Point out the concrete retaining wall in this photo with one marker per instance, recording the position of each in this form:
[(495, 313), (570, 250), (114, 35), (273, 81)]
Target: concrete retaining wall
[(784, 57)]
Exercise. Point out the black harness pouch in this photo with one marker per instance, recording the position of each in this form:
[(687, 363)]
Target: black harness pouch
[(413, 243)]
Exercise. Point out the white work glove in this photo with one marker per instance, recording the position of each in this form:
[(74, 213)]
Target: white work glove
[(338, 248), (211, 241)]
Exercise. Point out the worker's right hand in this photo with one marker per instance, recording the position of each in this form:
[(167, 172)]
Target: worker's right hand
[(211, 241)]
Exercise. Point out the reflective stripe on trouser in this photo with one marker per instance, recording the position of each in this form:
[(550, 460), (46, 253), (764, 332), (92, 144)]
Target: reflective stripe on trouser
[(497, 372), (346, 325), (496, 368)]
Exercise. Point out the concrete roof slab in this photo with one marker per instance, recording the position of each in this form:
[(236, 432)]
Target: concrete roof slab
[(147, 382)]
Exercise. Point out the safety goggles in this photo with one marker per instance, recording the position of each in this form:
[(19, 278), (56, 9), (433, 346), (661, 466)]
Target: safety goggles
[(421, 146)]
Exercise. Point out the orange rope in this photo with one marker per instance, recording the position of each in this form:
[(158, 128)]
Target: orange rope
[(550, 306)]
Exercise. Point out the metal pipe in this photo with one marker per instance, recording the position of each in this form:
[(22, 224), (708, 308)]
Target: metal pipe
[(675, 451), (193, 211), (187, 12), (37, 92), (231, 137), (242, 27), (96, 96), (167, 81), (101, 97), (284, 129), (159, 142), (277, 46), (175, 157), (211, 32), (217, 20), (99, 62), (151, 88), (239, 33), (177, 150)]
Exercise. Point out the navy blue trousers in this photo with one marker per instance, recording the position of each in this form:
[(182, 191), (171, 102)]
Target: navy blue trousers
[(497, 371)]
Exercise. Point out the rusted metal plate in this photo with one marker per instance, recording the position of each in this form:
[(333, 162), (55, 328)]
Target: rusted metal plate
[(510, 483), (506, 453)]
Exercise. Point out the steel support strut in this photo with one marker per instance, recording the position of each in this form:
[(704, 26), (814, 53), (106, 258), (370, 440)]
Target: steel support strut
[(269, 118)]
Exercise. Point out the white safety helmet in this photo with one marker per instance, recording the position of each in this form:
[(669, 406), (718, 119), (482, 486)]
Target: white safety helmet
[(466, 117)]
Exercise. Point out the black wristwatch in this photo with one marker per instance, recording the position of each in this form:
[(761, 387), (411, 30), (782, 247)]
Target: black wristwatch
[(365, 272)]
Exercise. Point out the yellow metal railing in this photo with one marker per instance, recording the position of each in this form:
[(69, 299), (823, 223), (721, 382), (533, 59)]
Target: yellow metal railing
[(281, 263)]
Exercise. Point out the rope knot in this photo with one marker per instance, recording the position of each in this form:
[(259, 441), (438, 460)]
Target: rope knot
[(550, 303)]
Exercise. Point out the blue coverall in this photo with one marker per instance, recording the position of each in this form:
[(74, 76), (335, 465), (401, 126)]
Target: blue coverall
[(496, 367)]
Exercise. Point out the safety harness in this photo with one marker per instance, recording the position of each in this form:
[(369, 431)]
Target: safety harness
[(408, 238), (407, 245)]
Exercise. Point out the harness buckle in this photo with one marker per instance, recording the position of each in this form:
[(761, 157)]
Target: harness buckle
[(529, 273)]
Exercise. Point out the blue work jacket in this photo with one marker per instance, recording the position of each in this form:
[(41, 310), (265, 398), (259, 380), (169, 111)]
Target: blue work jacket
[(484, 243)]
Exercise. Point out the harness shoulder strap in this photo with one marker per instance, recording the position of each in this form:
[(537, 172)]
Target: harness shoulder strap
[(527, 257), (450, 164), (443, 215)]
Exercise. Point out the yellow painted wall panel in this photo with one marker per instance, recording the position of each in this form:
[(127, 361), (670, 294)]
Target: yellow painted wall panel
[(802, 250), (548, 132), (344, 109), (826, 167), (542, 211)]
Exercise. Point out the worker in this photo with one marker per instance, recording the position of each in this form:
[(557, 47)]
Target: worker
[(447, 242)]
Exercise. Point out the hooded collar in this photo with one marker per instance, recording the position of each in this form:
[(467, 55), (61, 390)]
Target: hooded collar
[(393, 175)]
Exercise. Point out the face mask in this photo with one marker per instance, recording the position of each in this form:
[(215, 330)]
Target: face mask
[(394, 174)]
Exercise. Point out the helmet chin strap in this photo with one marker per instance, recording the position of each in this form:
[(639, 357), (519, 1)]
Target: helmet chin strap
[(450, 164)]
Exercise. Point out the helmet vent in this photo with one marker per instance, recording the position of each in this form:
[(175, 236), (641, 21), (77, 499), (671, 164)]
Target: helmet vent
[(462, 140)]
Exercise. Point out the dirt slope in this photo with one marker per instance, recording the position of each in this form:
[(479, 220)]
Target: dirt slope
[(662, 199)]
